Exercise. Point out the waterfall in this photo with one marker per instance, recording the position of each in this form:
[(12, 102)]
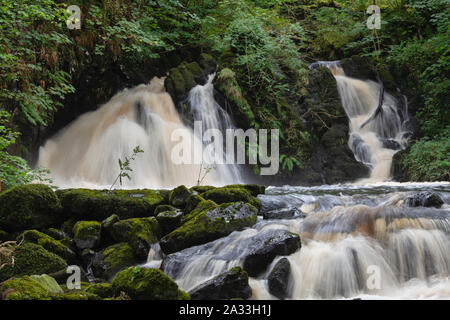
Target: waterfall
[(375, 143), (85, 153)]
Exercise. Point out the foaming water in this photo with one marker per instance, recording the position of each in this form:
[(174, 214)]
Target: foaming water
[(86, 152), (356, 243)]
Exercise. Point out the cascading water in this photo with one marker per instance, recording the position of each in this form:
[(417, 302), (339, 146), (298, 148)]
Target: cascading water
[(373, 143), (86, 152), (348, 233)]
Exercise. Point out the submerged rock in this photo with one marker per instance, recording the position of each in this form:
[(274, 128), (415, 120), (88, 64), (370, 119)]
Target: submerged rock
[(229, 285), (209, 224), (147, 284), (278, 279), (425, 199), (265, 246)]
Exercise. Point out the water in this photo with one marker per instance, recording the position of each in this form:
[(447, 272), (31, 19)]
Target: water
[(348, 232), (375, 143), (86, 152)]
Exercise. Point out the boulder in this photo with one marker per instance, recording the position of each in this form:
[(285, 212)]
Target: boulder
[(24, 288), (424, 199), (265, 246), (103, 290), (278, 279), (147, 284), (87, 234), (231, 194), (178, 196), (210, 224), (111, 260), (228, 285), (169, 220), (31, 206), (48, 283)]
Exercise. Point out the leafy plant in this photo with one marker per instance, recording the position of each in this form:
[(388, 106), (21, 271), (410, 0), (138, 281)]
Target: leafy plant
[(124, 166)]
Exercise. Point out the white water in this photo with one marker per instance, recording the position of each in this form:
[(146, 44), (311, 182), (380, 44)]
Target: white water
[(360, 100), (86, 152)]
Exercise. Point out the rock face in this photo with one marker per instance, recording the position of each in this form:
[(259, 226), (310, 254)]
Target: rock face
[(278, 279), (424, 199), (229, 285), (209, 225), (31, 206), (265, 246), (147, 284)]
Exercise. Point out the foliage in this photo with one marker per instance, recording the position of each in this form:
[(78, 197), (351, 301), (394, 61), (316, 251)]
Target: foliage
[(124, 166)]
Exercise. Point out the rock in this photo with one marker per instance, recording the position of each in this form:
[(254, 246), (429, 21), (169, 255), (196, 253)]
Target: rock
[(147, 284), (178, 196), (424, 199), (169, 220), (50, 244), (191, 202), (231, 194), (278, 279), (84, 204), (209, 225), (110, 221), (391, 144), (30, 259), (265, 246), (55, 233), (24, 288), (139, 233), (229, 285), (164, 207), (31, 206), (254, 189), (111, 260), (48, 283), (87, 234), (103, 290), (284, 213)]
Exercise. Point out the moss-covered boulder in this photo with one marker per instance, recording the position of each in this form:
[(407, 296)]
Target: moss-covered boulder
[(232, 284), (111, 260), (23, 288), (209, 225), (31, 206), (147, 284), (254, 189), (48, 283), (191, 202), (231, 194), (104, 290), (178, 196), (30, 259), (139, 233), (84, 204), (169, 220), (87, 234), (164, 207), (49, 243)]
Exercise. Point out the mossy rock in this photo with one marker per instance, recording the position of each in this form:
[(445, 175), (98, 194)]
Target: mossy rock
[(178, 196), (111, 260), (209, 225), (31, 206), (24, 288), (100, 204), (231, 194), (201, 189), (104, 290), (49, 243), (87, 234), (147, 284), (140, 233), (48, 283), (30, 259), (201, 206), (164, 207), (254, 189), (55, 233), (75, 295), (169, 220), (192, 202)]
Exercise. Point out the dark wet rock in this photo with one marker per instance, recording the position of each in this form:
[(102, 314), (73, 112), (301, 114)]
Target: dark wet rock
[(284, 213), (87, 234), (391, 144), (208, 225), (265, 246), (229, 285), (278, 279), (178, 196), (425, 199)]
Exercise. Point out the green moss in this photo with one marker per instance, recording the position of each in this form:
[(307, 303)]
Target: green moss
[(192, 201), (30, 206), (75, 295), (231, 194), (48, 243), (104, 290), (169, 220), (147, 284), (209, 225), (87, 234), (164, 207), (178, 196), (113, 259), (48, 283), (24, 288), (100, 204), (254, 189), (201, 189), (201, 206), (32, 259)]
